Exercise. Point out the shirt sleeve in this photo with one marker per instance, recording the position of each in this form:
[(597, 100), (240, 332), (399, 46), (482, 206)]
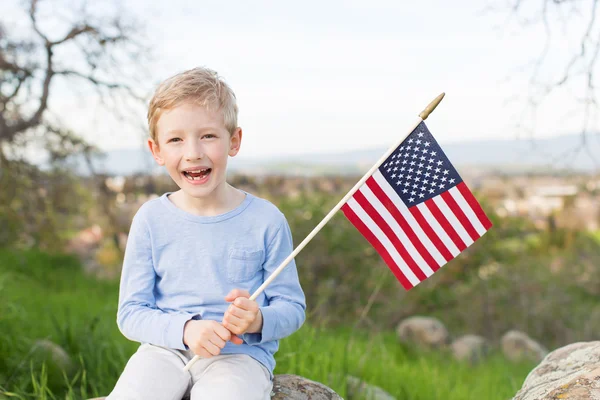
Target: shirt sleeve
[(138, 317), (286, 304)]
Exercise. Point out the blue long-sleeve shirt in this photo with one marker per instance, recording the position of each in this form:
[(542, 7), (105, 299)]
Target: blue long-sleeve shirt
[(179, 266)]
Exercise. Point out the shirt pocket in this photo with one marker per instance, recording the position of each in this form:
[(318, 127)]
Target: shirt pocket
[(243, 264)]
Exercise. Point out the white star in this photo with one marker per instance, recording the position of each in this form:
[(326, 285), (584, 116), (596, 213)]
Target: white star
[(419, 141), (389, 169), (410, 169), (421, 165), (431, 159), (425, 182), (409, 177), (420, 134), (437, 170), (416, 148), (401, 176), (412, 163), (402, 169), (394, 156), (415, 186), (435, 177), (426, 144), (413, 193), (427, 174), (404, 161), (429, 167), (417, 179), (444, 179), (446, 172), (393, 176), (431, 190), (408, 147), (452, 180), (397, 162), (419, 172), (402, 148), (410, 140), (421, 195), (411, 199), (405, 190), (434, 153), (395, 169), (440, 162), (422, 158), (398, 182), (414, 155), (425, 151), (441, 185), (423, 188)]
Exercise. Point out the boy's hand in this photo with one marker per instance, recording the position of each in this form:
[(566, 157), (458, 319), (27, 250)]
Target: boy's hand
[(243, 315), (205, 338)]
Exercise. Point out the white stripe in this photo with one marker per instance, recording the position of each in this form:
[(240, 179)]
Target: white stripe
[(453, 220), (464, 205), (393, 224), (372, 226), (412, 222), (437, 228)]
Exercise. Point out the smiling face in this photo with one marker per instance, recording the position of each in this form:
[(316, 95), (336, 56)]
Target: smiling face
[(194, 145)]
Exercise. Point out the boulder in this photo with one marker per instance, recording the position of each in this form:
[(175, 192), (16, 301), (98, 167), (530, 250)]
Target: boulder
[(294, 387), (517, 346), (471, 348), (426, 332), (362, 390), (570, 372)]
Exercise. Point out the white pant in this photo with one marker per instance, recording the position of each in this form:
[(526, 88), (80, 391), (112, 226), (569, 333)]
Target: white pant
[(156, 373)]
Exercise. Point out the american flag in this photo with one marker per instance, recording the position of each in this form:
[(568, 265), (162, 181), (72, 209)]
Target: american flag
[(415, 210)]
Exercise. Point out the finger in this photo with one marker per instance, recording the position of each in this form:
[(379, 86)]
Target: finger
[(235, 293), (222, 332), (211, 348), (236, 339), (235, 324), (217, 341), (245, 304), (239, 313)]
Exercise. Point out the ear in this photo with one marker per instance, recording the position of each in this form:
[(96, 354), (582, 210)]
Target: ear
[(235, 141), (155, 150)]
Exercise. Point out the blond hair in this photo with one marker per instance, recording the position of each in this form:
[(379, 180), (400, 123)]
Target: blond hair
[(200, 85)]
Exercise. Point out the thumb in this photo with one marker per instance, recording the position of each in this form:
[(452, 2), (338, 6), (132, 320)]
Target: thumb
[(236, 339)]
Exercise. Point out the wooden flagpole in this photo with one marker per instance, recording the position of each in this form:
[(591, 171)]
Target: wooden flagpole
[(422, 117)]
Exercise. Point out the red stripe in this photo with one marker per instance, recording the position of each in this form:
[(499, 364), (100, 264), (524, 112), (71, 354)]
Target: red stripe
[(364, 203), (362, 228), (406, 228), (464, 190), (431, 233), (459, 213), (446, 226)]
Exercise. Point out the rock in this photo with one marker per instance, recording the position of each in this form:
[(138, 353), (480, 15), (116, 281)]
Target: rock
[(294, 387), (571, 372), (471, 348), (360, 389), (55, 356), (424, 331), (517, 346)]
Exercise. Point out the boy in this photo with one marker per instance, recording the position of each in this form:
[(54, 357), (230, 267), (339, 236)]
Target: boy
[(194, 256)]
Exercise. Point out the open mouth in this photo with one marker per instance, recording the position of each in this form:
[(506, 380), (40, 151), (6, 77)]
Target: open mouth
[(197, 174)]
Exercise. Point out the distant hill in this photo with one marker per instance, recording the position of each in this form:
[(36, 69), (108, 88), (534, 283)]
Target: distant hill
[(557, 153)]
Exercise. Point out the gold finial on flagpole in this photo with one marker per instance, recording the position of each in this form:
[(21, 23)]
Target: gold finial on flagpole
[(429, 109)]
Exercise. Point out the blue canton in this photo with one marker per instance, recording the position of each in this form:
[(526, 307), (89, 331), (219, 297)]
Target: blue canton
[(418, 169)]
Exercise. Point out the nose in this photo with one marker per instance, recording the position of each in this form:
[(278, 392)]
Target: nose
[(193, 150)]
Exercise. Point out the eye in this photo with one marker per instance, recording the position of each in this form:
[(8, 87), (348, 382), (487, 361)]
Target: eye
[(173, 140), (209, 136)]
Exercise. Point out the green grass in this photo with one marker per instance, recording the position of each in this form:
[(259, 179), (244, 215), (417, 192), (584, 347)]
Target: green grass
[(46, 296)]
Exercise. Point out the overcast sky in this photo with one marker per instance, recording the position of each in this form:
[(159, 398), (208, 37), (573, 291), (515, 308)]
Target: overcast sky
[(328, 76)]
